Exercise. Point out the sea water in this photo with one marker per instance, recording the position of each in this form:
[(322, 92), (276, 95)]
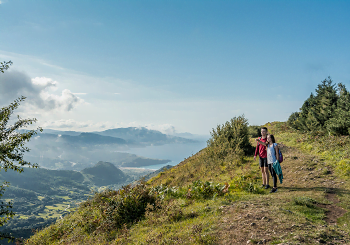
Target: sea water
[(173, 152)]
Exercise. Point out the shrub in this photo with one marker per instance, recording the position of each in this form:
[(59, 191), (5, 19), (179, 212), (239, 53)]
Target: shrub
[(230, 140), (124, 206), (254, 131)]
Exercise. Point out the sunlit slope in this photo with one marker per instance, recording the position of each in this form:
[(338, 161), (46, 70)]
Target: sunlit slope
[(180, 207)]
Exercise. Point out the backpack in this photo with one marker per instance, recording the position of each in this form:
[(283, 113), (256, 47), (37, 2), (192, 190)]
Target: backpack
[(280, 155)]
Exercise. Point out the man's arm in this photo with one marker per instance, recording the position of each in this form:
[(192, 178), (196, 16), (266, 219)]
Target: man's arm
[(261, 142)]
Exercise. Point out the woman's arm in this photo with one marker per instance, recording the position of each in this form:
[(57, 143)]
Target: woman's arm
[(277, 153), (260, 142)]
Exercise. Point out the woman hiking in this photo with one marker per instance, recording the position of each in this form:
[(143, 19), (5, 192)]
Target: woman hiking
[(272, 156)]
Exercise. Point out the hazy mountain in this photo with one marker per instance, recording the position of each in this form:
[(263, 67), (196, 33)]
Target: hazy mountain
[(70, 150), (144, 136), (83, 139)]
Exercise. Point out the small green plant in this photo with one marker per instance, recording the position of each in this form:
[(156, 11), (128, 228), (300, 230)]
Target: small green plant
[(304, 201), (206, 190), (343, 167), (198, 190), (246, 184)]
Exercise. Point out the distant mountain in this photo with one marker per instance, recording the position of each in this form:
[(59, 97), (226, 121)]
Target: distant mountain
[(71, 150), (52, 131), (144, 136), (104, 173), (83, 139)]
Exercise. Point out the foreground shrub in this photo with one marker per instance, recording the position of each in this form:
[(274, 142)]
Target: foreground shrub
[(124, 206)]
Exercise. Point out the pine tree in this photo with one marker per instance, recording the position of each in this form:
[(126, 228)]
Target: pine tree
[(317, 110), (339, 124)]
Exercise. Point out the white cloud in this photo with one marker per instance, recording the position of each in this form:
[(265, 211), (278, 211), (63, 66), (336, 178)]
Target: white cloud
[(44, 82), (39, 92)]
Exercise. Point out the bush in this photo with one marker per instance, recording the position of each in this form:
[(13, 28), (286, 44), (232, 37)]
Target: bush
[(254, 131), (121, 207), (230, 140)]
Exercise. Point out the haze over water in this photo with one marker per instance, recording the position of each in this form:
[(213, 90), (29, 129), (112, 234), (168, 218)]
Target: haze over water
[(174, 152)]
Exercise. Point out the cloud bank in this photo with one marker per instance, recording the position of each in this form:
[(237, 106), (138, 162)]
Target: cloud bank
[(39, 92), (71, 124)]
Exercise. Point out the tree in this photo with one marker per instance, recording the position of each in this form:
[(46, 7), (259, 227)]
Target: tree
[(339, 124), (5, 65), (12, 147), (326, 111), (317, 109)]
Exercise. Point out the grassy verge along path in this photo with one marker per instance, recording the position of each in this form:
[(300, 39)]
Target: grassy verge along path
[(310, 207)]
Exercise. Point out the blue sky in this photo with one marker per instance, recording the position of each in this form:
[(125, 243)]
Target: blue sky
[(183, 65)]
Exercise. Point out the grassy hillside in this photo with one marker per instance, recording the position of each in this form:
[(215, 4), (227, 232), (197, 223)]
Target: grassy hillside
[(214, 197)]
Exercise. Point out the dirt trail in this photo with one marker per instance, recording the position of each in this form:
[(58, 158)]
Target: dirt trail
[(267, 219), (334, 212)]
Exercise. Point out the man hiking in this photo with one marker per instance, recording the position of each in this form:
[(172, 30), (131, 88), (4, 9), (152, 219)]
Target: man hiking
[(261, 150)]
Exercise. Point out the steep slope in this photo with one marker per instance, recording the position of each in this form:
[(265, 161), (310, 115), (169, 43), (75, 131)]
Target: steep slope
[(311, 206), (104, 173)]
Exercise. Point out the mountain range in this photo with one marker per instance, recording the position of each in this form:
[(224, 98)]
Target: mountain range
[(71, 150)]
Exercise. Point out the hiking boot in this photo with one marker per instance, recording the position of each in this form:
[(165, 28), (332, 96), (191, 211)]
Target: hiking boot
[(273, 190), (267, 186), (262, 186)]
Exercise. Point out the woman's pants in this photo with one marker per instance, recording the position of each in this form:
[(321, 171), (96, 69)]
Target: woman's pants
[(273, 174)]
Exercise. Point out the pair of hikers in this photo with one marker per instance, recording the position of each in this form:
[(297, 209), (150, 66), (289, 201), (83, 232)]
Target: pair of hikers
[(268, 155)]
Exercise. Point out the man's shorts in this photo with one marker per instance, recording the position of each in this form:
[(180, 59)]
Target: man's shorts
[(263, 162)]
